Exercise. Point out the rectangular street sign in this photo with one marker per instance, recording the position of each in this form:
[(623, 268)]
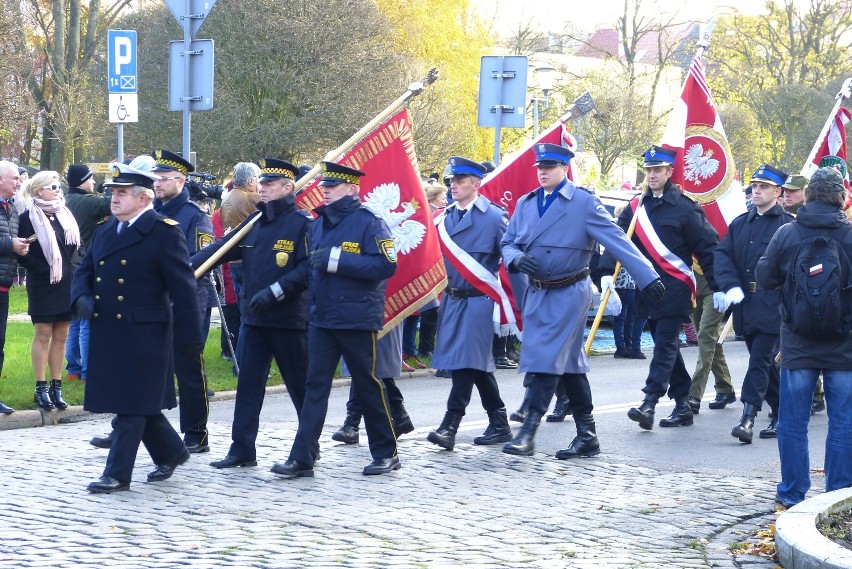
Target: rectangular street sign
[(123, 107), (121, 61), (200, 75)]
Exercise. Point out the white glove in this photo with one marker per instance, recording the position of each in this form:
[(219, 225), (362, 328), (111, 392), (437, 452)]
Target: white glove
[(613, 305), (735, 295), (720, 302), (607, 283)]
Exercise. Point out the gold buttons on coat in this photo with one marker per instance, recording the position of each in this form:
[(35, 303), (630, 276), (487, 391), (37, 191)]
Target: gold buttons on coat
[(118, 316), (120, 281), (120, 298), (95, 315), (97, 279), (124, 261), (100, 262), (97, 297)]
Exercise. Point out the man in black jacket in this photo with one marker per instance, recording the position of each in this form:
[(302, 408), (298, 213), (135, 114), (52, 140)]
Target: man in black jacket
[(273, 300), (756, 314), (803, 357)]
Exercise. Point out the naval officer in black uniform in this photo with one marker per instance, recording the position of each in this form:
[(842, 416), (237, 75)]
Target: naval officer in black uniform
[(352, 257), (137, 288), (273, 304)]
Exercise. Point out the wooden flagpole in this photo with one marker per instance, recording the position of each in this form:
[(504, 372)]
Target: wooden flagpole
[(845, 93), (413, 90)]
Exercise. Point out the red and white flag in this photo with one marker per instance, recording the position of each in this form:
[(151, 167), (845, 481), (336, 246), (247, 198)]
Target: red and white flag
[(704, 165), (392, 189), (517, 177), (832, 149)]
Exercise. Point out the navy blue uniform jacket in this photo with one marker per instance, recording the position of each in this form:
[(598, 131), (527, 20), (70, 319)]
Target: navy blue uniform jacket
[(353, 298), (275, 250), (135, 277)]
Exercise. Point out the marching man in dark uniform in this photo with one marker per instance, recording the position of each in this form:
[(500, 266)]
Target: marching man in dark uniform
[(756, 314), (473, 227), (352, 257), (173, 202), (136, 286), (671, 228), (551, 237), (274, 301)]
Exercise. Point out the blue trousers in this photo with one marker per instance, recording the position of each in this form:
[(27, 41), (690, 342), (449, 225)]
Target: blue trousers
[(77, 348)]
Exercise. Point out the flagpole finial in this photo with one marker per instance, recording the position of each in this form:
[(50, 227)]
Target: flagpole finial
[(846, 89), (417, 87)]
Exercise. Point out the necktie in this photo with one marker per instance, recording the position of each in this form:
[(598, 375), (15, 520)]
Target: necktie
[(460, 213), (121, 226)]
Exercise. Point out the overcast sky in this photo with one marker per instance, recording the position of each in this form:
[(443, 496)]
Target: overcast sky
[(553, 15)]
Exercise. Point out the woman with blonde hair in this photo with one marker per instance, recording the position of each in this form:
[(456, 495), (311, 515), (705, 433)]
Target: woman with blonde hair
[(52, 259)]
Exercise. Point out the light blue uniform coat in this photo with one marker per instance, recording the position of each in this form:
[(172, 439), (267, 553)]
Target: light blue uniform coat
[(562, 242), (466, 326)]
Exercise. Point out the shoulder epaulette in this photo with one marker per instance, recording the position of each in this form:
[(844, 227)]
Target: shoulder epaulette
[(169, 221), (585, 189)]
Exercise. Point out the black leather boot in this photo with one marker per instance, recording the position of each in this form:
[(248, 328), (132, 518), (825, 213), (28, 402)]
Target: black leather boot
[(745, 428), (445, 435), (681, 415), (585, 443), (55, 394), (401, 421), (521, 414), (561, 410), (770, 432), (348, 433), (42, 397), (644, 414), (498, 430), (524, 443)]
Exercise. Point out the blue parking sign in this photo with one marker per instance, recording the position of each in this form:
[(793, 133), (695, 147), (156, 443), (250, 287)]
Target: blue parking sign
[(121, 61)]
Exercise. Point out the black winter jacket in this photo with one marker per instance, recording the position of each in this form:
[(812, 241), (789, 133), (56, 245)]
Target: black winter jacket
[(8, 259)]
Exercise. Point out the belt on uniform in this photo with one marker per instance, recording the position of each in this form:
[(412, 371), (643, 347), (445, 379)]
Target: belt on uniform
[(561, 283), (464, 293), (751, 287)]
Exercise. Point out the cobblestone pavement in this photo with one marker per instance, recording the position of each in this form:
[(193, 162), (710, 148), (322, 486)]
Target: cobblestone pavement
[(475, 507)]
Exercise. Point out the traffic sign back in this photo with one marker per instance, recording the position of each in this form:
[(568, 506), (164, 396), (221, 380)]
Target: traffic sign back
[(197, 8)]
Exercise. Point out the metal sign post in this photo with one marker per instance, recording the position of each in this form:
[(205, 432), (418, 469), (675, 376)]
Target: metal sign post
[(502, 94), (122, 81), (190, 14)]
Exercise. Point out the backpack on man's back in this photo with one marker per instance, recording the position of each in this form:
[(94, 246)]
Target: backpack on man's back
[(817, 293)]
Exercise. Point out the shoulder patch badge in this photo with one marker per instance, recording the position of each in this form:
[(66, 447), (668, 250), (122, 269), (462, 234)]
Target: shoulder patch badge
[(389, 249), (202, 240)]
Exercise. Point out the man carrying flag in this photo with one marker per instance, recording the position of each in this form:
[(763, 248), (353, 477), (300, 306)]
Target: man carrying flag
[(670, 230), (551, 238)]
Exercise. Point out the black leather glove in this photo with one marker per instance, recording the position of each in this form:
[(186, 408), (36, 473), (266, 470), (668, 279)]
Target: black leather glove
[(525, 263), (319, 259), (84, 307), (655, 291), (262, 300), (193, 350)]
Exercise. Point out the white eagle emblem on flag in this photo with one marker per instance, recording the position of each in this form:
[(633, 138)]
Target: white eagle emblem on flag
[(407, 233), (698, 164)]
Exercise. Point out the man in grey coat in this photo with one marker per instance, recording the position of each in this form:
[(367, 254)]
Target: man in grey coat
[(551, 238), (474, 227)]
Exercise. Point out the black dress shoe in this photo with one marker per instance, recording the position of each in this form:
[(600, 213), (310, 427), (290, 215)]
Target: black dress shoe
[(107, 485), (382, 466), (231, 461), (165, 471), (293, 469), (196, 448), (5, 409), (644, 414), (102, 442), (722, 400)]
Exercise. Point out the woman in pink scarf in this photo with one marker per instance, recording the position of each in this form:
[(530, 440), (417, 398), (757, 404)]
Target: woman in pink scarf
[(53, 257)]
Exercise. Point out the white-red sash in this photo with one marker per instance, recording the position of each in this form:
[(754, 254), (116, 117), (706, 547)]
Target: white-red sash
[(665, 259), (479, 277)]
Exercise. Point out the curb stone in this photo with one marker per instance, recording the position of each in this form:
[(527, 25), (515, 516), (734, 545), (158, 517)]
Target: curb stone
[(800, 544)]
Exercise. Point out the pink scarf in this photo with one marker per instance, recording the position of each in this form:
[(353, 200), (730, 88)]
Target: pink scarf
[(47, 236)]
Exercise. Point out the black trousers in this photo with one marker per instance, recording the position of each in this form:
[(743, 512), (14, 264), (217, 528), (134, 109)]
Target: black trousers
[(428, 330), (4, 316), (154, 431), (667, 372), (192, 389), (762, 380), (358, 347), (231, 314), (258, 346), (395, 400), (575, 388), (462, 389)]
